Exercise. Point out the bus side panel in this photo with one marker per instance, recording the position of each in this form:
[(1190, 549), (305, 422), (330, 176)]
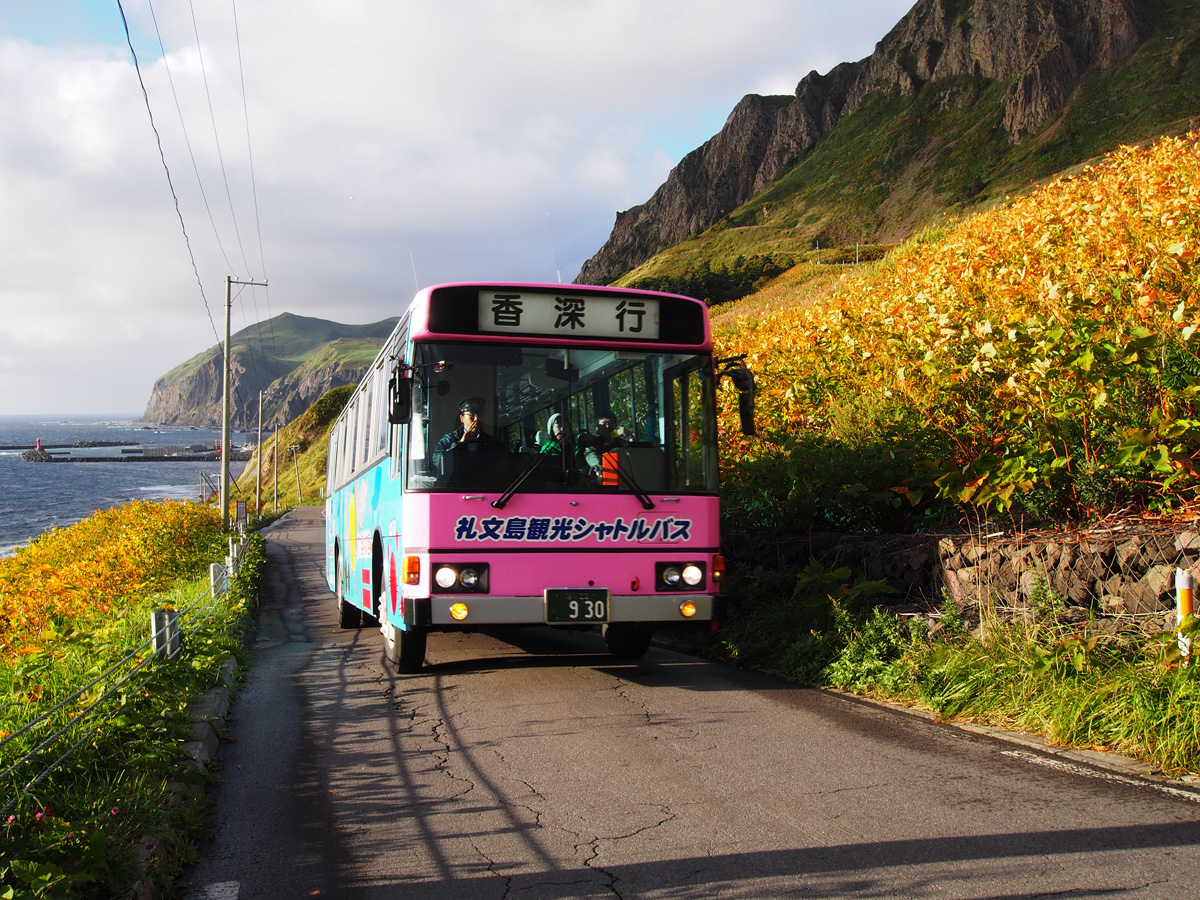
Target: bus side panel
[(353, 515), (386, 519), (330, 536)]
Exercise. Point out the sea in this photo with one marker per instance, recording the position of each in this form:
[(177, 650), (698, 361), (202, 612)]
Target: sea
[(35, 497)]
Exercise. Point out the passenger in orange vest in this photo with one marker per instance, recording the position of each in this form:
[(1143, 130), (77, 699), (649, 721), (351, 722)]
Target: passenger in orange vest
[(608, 436)]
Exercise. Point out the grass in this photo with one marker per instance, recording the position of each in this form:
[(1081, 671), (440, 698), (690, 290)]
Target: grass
[(1076, 685), (895, 396), (73, 831), (282, 470)]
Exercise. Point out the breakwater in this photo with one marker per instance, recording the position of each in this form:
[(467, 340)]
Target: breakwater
[(41, 456), (71, 446)]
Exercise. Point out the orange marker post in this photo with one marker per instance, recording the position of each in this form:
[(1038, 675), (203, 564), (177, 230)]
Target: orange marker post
[(1183, 609)]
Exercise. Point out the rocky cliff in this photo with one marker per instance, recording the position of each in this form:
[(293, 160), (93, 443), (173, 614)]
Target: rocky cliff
[(292, 359), (1042, 49)]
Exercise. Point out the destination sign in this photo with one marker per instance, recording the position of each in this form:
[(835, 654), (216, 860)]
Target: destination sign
[(572, 315)]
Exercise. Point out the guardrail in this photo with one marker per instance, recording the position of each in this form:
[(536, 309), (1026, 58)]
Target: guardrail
[(168, 633)]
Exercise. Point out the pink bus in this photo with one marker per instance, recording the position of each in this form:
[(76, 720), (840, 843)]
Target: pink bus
[(524, 454)]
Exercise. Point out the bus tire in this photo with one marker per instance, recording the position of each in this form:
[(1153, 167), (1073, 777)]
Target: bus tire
[(626, 640), (405, 650), (349, 615)]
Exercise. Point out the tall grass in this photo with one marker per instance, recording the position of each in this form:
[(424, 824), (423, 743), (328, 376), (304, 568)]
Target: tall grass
[(1078, 685), (72, 828)]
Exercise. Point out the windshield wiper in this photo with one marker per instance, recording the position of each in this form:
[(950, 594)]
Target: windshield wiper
[(630, 483), (502, 501)]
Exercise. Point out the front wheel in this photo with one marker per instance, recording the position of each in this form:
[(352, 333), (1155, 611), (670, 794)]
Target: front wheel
[(404, 649), (626, 640)]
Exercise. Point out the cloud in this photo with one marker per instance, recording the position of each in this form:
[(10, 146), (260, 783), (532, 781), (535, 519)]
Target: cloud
[(340, 146)]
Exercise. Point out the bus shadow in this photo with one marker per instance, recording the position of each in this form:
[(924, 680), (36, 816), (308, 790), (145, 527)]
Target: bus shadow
[(539, 648)]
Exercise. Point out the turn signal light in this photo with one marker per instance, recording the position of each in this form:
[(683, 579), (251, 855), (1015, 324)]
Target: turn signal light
[(459, 611), (718, 569), (687, 608), (412, 570)]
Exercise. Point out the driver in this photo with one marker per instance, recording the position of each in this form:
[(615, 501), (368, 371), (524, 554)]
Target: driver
[(469, 436)]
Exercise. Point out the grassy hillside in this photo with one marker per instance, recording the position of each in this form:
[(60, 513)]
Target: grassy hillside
[(1039, 359), (291, 358), (287, 341), (901, 163)]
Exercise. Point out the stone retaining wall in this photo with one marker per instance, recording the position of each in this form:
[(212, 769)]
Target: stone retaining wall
[(1124, 571)]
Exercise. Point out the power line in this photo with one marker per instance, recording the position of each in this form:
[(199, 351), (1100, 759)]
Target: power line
[(186, 138), (216, 136), (166, 168), (261, 354), (253, 189)]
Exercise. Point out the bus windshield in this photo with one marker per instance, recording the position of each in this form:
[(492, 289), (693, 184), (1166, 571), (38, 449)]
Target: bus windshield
[(529, 418)]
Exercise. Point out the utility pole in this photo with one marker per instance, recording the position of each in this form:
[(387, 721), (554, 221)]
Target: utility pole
[(229, 282), (294, 449), (275, 469), (258, 455)]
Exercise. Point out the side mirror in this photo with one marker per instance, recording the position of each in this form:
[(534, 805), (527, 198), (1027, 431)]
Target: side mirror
[(743, 381), (400, 396)]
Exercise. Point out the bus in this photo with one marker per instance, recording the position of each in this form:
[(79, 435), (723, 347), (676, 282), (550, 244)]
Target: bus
[(525, 454)]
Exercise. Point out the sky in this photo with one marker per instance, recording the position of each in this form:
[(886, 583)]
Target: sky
[(344, 153)]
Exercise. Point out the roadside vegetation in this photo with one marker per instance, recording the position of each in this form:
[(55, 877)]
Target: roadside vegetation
[(1036, 364), (282, 468), (75, 605)]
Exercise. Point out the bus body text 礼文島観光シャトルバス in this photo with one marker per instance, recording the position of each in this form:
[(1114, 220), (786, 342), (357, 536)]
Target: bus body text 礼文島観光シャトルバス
[(525, 454)]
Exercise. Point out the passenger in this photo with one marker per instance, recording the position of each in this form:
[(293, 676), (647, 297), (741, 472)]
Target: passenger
[(607, 437), (556, 435), (469, 436)]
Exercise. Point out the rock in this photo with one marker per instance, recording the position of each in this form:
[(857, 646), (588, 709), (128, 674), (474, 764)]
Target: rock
[(1129, 554), (1187, 540)]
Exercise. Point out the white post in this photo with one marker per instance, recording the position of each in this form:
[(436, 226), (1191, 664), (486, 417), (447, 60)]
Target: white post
[(164, 630), (1183, 609), (218, 578)]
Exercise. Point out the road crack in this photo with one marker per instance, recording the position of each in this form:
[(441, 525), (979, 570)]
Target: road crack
[(442, 761), (593, 849)]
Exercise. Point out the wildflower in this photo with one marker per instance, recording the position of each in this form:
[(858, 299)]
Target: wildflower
[(115, 810)]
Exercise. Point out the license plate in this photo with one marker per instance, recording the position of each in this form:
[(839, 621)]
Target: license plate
[(566, 606)]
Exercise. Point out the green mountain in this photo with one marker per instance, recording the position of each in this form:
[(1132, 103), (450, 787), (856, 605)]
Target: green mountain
[(963, 103), (292, 360)]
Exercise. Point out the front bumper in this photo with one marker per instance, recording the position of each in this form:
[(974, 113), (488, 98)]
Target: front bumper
[(485, 609)]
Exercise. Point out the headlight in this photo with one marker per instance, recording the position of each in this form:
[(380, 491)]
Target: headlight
[(680, 576), (687, 609), (459, 611), (470, 577)]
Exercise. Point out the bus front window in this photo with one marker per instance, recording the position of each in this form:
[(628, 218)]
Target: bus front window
[(554, 419)]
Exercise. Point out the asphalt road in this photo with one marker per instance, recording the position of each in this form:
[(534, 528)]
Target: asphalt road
[(534, 766)]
